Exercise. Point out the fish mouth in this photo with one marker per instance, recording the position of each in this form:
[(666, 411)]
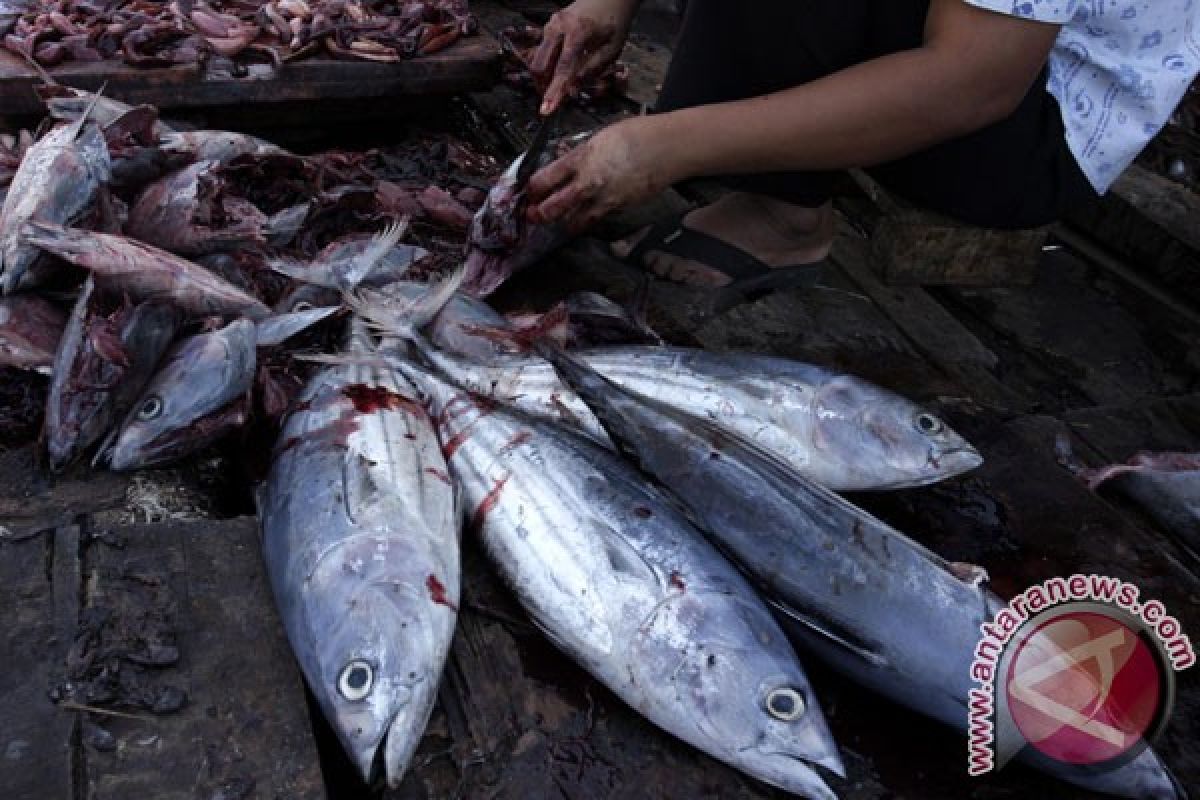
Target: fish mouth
[(949, 463), (800, 775), (388, 761)]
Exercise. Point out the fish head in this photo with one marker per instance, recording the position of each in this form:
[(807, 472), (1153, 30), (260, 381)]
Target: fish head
[(197, 396), (737, 683), (879, 439), (376, 653)]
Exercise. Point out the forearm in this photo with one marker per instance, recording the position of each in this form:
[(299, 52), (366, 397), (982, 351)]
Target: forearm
[(870, 113)]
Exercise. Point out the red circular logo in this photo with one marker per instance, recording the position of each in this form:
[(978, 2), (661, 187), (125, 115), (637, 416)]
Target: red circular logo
[(1084, 688)]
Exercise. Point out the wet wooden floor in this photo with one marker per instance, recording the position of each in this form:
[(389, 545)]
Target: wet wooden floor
[(1079, 354)]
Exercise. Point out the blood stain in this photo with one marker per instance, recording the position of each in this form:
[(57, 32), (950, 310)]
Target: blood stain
[(437, 593)]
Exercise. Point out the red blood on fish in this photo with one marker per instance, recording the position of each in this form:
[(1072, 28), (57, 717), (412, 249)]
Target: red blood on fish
[(439, 474), (516, 441), (677, 581), (488, 503), (368, 399), (643, 512), (437, 592)]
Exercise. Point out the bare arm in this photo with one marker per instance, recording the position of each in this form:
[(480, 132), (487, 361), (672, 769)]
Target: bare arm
[(973, 68)]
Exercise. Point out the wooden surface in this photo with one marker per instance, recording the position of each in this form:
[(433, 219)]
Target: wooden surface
[(472, 63), (1078, 354), (125, 617)]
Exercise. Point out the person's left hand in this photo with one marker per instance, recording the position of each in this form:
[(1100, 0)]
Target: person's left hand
[(618, 166)]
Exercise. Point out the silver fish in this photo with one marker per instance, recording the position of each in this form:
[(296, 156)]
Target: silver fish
[(219, 146), (360, 537), (837, 430), (58, 182), (1165, 485), (198, 395), (355, 261), (99, 371), (145, 272), (863, 596), (500, 242), (30, 330), (621, 582)]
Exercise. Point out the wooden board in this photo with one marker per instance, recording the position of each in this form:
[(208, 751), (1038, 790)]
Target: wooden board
[(472, 63), (87, 615)]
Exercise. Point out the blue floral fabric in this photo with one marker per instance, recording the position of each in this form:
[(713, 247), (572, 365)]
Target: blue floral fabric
[(1118, 71)]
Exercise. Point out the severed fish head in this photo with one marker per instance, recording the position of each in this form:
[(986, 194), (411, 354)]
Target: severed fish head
[(888, 441), (197, 396)]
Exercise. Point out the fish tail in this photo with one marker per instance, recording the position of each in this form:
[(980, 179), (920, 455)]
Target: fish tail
[(408, 319)]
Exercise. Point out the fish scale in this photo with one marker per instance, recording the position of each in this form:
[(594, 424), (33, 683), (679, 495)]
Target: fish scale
[(364, 562), (620, 581)]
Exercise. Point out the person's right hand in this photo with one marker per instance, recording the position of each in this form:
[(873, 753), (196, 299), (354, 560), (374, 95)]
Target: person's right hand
[(578, 42)]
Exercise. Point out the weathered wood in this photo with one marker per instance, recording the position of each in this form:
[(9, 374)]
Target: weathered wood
[(39, 600), (31, 500), (1172, 207), (244, 729), (920, 248), (472, 63)]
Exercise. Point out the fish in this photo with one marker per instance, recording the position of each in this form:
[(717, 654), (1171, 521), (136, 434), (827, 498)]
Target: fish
[(219, 146), (11, 11), (198, 395), (58, 181), (465, 326), (145, 272), (30, 330), (68, 104), (500, 242), (189, 213), (621, 582), (100, 369), (361, 542), (855, 592), (1165, 485), (277, 329), (356, 260), (835, 429)]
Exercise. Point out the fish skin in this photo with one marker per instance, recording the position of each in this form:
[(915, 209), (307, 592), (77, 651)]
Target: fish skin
[(500, 242), (185, 213), (350, 558), (463, 327), (853, 590), (198, 395), (356, 260), (1165, 485), (837, 430), (88, 393), (30, 330), (58, 181), (219, 146), (145, 272), (620, 581)]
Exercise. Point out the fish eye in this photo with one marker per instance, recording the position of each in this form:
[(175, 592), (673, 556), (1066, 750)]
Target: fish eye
[(929, 425), (356, 679), (151, 409), (303, 305), (786, 704)]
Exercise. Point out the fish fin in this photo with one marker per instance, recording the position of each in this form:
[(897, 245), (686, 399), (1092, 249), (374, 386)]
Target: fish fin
[(296, 269), (77, 125), (108, 345), (381, 245), (411, 317), (826, 633)]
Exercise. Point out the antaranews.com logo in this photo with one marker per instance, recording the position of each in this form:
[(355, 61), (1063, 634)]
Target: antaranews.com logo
[(1078, 668)]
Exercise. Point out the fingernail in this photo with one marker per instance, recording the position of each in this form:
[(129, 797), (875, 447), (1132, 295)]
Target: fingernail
[(546, 107)]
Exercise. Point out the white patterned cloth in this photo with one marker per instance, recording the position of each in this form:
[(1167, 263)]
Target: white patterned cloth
[(1118, 70)]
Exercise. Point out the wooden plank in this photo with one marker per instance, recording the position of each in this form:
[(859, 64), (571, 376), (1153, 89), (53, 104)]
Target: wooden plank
[(470, 64), (1172, 207), (32, 501), (195, 592), (39, 597)]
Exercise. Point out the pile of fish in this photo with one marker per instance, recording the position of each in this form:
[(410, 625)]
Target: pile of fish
[(666, 516), (145, 34)]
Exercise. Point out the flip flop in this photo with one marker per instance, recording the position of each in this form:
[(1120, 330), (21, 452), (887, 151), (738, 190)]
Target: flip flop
[(751, 279)]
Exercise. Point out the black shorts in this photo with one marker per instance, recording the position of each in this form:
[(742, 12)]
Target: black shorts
[(1016, 173)]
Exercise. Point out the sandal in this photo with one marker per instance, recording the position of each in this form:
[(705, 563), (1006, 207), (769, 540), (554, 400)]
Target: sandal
[(751, 279)]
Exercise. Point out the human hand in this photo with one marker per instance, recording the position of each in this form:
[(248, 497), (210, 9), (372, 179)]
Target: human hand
[(578, 42), (618, 166)]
